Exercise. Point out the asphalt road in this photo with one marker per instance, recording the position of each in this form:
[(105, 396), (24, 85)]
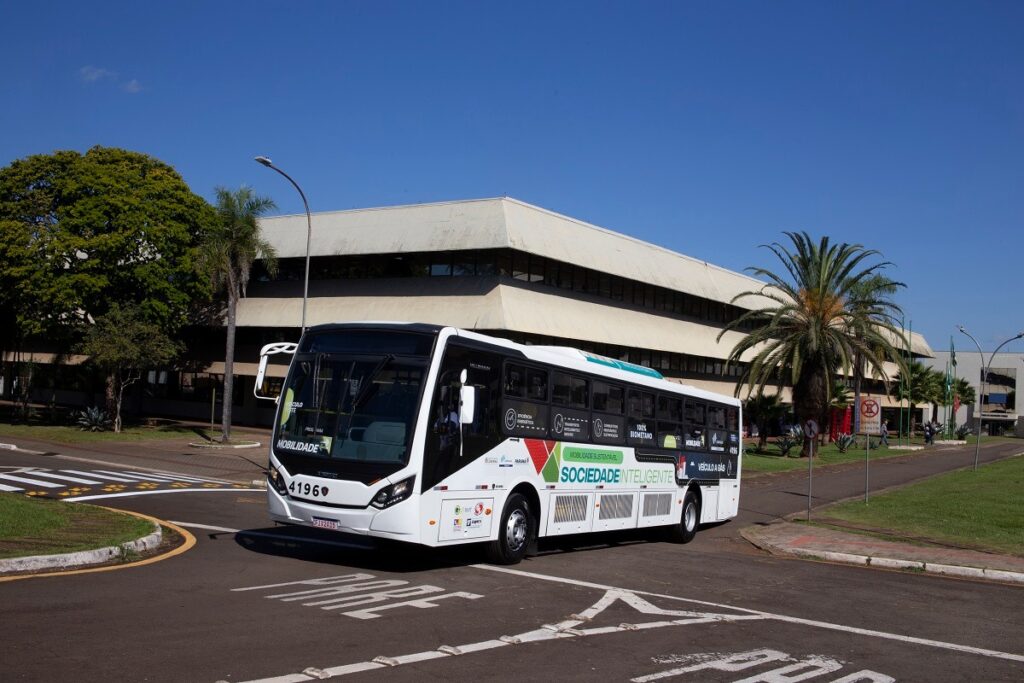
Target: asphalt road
[(270, 602)]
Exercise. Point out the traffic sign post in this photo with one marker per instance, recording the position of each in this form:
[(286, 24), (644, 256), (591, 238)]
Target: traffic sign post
[(811, 430)]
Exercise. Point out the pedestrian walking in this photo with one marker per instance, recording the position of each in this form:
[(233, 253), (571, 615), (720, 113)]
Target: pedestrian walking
[(927, 433), (885, 435)]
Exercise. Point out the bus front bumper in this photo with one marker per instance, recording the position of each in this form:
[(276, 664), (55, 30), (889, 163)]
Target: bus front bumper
[(369, 521)]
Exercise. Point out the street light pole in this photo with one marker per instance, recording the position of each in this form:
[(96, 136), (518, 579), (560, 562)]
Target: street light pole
[(984, 380), (309, 233)]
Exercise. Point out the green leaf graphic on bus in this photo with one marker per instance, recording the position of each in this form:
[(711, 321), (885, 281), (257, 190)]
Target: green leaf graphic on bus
[(550, 471)]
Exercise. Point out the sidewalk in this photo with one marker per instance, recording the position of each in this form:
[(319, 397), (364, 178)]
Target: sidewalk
[(241, 465), (807, 541)]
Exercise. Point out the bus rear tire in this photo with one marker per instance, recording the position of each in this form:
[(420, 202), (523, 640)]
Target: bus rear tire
[(686, 529), (515, 528)]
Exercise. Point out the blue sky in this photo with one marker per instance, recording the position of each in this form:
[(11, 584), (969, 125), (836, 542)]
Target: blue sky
[(705, 127)]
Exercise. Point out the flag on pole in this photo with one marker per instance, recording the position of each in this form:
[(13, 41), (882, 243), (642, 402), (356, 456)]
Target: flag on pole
[(952, 352)]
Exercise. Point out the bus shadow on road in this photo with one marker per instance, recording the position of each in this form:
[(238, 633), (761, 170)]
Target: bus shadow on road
[(361, 552), (349, 550)]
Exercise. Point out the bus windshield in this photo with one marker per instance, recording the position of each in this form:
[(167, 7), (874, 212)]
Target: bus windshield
[(350, 408)]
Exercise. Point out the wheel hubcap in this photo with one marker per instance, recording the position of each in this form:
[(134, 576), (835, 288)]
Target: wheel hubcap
[(691, 517), (515, 530)]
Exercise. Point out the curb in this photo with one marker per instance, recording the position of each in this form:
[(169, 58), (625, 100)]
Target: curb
[(884, 562), (83, 557), (249, 444)]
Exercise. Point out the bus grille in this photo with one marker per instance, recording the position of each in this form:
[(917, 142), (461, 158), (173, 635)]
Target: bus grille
[(570, 509), (657, 504), (617, 506)]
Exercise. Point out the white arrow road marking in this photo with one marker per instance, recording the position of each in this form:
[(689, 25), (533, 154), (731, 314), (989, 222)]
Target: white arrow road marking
[(570, 628)]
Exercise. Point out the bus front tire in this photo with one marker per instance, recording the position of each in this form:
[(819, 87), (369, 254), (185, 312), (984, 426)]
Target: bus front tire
[(686, 529), (514, 530)]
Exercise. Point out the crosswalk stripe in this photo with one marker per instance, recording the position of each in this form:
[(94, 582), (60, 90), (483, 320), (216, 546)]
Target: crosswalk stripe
[(105, 477), (169, 476), (34, 482), (9, 488), (131, 476), (53, 475), (151, 477), (181, 477)]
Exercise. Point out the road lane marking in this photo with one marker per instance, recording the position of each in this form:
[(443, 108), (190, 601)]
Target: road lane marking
[(152, 492), (105, 477), (781, 617), (34, 482), (5, 487), (63, 477), (360, 590)]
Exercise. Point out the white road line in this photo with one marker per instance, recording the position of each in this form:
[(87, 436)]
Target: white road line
[(151, 492), (34, 482), (63, 477), (160, 475), (4, 487), (779, 617), (105, 477), (132, 476)]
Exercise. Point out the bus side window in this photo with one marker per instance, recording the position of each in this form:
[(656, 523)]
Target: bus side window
[(670, 415), (515, 381), (694, 424)]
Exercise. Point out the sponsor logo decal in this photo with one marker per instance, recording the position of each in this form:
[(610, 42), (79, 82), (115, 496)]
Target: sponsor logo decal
[(301, 446)]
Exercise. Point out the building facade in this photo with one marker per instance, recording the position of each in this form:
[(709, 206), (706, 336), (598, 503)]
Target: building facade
[(497, 266)]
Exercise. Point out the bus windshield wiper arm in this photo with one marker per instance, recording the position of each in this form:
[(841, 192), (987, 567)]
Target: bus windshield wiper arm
[(367, 383)]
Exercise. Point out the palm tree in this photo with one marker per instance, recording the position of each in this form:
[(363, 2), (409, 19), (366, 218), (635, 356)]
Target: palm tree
[(919, 385), (963, 389), (228, 254), (763, 410), (810, 332), (872, 298)]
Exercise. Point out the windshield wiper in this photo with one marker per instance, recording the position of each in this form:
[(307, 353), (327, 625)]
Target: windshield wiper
[(366, 387)]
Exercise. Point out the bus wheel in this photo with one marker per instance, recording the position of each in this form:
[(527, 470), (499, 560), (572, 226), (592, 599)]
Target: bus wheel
[(686, 529), (514, 531)]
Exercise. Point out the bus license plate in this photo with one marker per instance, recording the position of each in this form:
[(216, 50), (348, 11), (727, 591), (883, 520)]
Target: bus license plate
[(326, 523)]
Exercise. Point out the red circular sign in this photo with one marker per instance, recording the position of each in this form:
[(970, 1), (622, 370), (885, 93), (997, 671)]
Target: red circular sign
[(869, 407)]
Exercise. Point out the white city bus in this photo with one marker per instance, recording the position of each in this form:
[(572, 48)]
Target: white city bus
[(440, 436)]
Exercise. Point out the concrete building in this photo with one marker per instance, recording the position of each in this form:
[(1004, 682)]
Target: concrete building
[(497, 266), (999, 412)]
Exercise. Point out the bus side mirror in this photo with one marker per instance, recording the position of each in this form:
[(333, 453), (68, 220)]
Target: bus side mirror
[(260, 374), (467, 404)]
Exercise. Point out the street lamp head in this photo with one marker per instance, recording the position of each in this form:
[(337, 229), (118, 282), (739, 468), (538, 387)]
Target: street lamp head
[(265, 161), (959, 327)]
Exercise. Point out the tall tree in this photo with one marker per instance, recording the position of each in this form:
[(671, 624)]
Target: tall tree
[(918, 385), (228, 254), (808, 332), (80, 232), (123, 344), (763, 410)]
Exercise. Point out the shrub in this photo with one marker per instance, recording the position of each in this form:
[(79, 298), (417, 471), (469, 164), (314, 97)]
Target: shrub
[(963, 430), (845, 441), (93, 419), (794, 437)]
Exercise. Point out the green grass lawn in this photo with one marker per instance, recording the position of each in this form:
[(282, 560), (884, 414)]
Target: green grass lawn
[(983, 509), (72, 434), (774, 461), (36, 526)]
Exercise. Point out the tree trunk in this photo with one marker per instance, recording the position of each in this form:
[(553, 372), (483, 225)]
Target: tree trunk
[(810, 401), (117, 406), (110, 395), (229, 367), (858, 375)]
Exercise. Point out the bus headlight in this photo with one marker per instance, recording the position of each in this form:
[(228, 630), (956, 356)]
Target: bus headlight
[(277, 481), (396, 493)]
